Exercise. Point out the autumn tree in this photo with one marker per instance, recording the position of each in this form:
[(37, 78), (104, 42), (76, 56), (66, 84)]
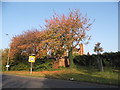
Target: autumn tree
[(98, 49), (66, 32), (61, 33), (27, 43)]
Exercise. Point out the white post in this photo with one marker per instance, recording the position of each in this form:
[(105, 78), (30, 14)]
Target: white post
[(8, 59), (31, 68), (8, 55)]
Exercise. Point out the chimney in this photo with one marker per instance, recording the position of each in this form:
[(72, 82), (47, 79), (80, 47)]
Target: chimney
[(81, 51)]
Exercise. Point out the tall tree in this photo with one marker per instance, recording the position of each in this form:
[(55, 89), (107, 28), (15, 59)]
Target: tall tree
[(68, 31), (98, 49)]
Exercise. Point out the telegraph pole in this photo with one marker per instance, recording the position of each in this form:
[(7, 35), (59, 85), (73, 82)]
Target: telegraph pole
[(7, 66)]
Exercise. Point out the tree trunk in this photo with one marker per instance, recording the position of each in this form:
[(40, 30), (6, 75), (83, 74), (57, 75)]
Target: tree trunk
[(100, 64), (71, 58)]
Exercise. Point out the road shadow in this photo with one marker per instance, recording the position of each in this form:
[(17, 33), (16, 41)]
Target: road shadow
[(83, 80), (49, 82)]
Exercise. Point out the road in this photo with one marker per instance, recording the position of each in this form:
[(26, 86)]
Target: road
[(10, 81)]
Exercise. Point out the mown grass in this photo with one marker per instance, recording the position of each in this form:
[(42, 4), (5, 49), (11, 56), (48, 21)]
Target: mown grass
[(83, 74)]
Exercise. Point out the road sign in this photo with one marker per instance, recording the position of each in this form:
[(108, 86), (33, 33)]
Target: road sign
[(31, 59), (7, 65)]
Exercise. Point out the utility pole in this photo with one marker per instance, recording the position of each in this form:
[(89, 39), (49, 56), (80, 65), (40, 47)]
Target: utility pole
[(7, 66)]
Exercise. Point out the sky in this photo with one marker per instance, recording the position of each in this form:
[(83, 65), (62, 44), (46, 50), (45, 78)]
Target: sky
[(21, 16)]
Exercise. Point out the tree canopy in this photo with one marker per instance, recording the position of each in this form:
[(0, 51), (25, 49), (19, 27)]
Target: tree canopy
[(61, 33)]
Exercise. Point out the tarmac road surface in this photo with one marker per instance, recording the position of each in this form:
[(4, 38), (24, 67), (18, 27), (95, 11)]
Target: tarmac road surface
[(10, 81)]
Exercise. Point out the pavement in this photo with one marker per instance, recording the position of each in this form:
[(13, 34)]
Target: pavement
[(11, 81)]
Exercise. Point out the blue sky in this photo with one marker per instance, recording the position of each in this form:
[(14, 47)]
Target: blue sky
[(21, 16)]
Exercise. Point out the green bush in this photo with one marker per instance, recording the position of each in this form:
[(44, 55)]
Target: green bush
[(39, 65), (20, 67), (44, 65), (3, 67), (85, 60), (108, 59)]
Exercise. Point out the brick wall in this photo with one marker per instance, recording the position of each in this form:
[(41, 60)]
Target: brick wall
[(61, 62)]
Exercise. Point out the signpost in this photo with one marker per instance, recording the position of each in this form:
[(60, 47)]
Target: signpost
[(31, 59)]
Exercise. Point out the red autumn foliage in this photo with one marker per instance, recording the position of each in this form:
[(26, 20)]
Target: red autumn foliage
[(61, 33)]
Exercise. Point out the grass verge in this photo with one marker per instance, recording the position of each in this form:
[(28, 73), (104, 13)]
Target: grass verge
[(82, 74)]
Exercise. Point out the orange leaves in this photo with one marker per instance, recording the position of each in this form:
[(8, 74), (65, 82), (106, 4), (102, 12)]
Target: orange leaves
[(25, 42), (68, 28), (22, 46), (60, 30), (41, 53)]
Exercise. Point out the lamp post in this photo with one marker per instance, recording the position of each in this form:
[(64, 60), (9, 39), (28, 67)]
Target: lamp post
[(8, 56)]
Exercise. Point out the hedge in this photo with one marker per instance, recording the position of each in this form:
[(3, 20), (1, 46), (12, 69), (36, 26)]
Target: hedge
[(108, 59)]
